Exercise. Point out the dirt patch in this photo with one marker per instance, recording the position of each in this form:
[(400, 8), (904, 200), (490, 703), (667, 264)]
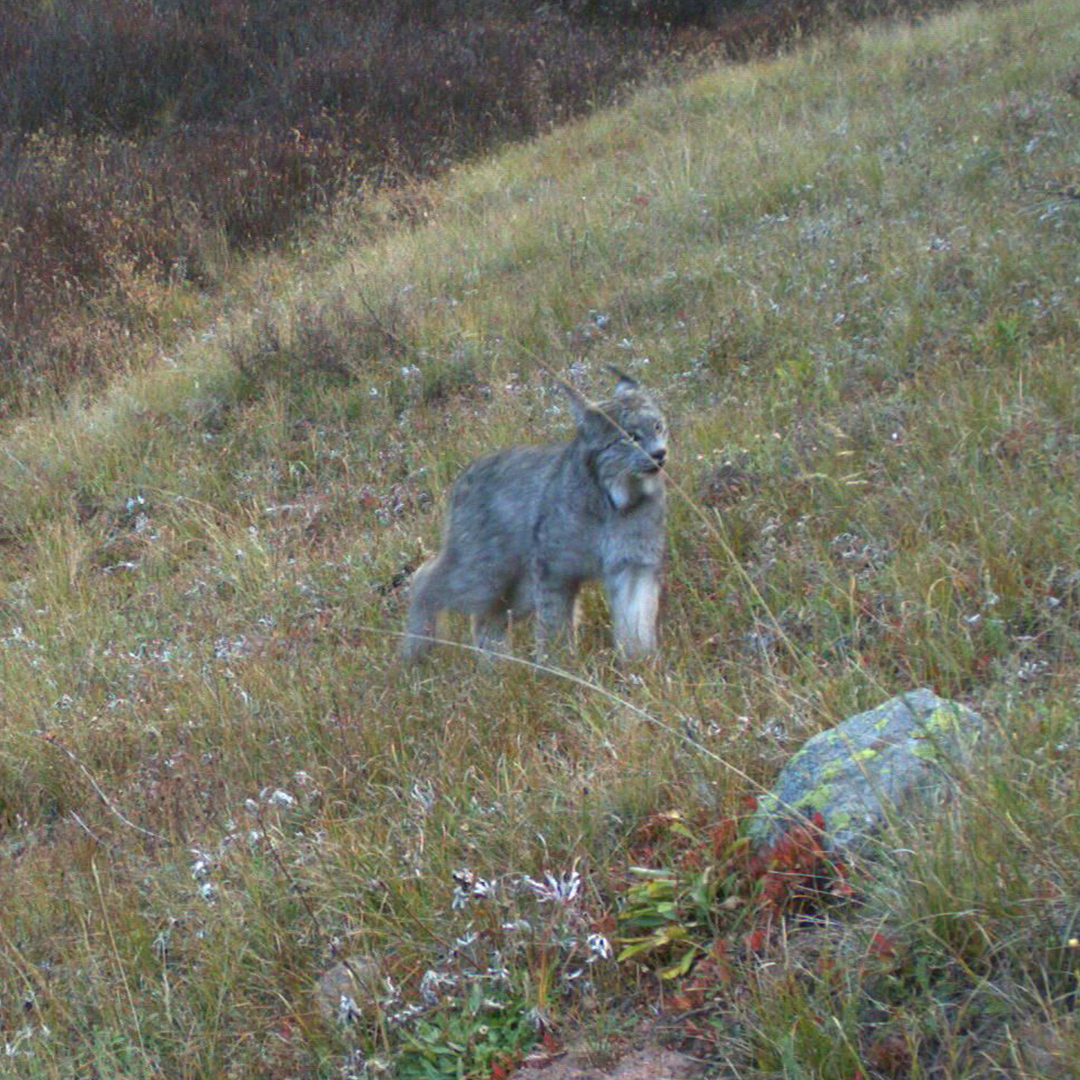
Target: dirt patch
[(651, 1063)]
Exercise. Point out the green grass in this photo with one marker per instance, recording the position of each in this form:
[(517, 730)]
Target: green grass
[(862, 315)]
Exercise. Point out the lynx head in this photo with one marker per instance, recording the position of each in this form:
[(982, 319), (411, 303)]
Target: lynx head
[(626, 441)]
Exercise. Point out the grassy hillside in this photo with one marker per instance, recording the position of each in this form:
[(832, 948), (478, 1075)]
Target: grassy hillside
[(844, 274), (147, 145)]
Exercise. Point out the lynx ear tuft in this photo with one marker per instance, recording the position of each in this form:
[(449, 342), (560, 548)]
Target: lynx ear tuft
[(625, 384)]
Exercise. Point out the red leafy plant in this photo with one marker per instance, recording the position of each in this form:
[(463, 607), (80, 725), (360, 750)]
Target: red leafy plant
[(715, 897)]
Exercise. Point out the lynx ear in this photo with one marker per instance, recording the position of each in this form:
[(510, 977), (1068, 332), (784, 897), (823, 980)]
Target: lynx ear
[(579, 404), (625, 383)]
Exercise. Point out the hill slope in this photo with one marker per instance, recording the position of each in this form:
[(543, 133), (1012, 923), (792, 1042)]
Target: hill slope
[(842, 271)]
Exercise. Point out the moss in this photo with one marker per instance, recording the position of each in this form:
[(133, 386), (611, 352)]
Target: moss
[(819, 798), (940, 732), (830, 771), (926, 751), (942, 721)]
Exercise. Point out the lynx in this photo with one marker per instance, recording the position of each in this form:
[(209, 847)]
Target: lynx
[(528, 526)]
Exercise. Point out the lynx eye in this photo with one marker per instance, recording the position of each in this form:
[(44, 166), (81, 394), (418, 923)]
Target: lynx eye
[(658, 426)]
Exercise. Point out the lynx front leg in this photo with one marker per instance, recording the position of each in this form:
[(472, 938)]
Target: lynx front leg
[(634, 598)]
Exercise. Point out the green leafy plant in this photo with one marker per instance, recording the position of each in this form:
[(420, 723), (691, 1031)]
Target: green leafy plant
[(669, 913), (488, 1032), (675, 911)]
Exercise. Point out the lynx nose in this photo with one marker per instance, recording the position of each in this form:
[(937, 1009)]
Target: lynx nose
[(659, 456)]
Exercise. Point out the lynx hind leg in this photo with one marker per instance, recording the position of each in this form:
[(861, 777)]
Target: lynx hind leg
[(490, 629), (634, 598), (424, 607), (556, 615)]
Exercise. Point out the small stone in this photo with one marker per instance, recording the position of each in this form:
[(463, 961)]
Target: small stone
[(354, 980)]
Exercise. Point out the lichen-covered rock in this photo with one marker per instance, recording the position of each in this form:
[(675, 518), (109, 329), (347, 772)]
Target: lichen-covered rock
[(869, 769)]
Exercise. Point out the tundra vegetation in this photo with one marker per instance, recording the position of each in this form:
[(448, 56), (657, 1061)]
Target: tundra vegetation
[(148, 146), (850, 273)]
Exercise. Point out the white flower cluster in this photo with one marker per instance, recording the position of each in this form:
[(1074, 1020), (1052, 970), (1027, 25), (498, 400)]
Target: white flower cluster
[(556, 889), (468, 887), (562, 891)]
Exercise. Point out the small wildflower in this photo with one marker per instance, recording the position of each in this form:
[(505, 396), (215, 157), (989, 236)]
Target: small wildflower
[(468, 887), (405, 1014), (12, 1049), (431, 982), (538, 1019), (392, 993), (562, 889), (423, 793), (282, 798), (207, 891), (347, 1011), (160, 944), (599, 947)]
